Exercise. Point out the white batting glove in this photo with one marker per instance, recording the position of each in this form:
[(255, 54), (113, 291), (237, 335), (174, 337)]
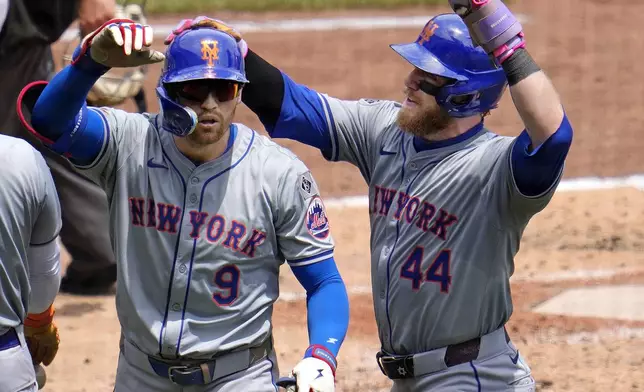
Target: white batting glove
[(314, 375), (119, 43)]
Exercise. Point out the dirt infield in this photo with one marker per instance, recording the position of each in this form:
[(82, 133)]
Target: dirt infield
[(583, 239)]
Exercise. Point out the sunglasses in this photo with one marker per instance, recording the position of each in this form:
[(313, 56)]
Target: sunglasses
[(198, 90)]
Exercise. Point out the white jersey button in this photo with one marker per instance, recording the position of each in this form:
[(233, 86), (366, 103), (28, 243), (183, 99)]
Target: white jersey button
[(182, 268), (413, 166), (193, 198), (176, 307), (194, 180)]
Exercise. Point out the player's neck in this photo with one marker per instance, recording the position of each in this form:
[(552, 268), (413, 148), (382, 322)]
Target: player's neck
[(201, 153), (455, 128)]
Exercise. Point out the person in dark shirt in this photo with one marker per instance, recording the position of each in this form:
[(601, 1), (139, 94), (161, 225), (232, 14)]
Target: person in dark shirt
[(28, 31)]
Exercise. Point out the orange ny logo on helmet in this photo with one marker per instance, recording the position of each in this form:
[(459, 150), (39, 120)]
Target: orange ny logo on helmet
[(209, 51), (427, 32)]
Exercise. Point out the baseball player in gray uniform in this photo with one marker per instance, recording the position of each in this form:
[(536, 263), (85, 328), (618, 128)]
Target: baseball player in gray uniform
[(203, 212), (448, 198), (30, 221)]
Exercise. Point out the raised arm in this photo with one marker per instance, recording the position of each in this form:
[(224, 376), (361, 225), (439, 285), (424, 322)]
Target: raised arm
[(534, 96), (494, 27), (285, 108), (539, 152), (59, 115)]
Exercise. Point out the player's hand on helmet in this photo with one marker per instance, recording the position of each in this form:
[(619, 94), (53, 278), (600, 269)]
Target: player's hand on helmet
[(492, 25), (119, 43), (204, 21), (313, 375), (41, 335)]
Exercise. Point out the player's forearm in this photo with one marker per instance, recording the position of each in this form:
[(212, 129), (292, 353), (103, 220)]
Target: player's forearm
[(327, 304), (328, 314), (44, 275), (498, 31), (285, 108), (534, 96), (56, 109), (60, 114)]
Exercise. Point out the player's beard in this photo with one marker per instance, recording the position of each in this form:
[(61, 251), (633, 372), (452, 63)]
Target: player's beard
[(423, 122)]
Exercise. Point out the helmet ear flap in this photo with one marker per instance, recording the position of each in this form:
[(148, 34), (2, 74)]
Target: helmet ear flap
[(177, 119)]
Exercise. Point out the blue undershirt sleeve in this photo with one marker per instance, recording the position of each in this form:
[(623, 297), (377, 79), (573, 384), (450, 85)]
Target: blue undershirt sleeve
[(536, 170), (327, 303), (302, 117), (61, 115)]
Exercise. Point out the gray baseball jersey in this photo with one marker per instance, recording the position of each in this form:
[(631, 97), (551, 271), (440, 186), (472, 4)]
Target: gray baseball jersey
[(445, 226), (29, 215), (199, 248)]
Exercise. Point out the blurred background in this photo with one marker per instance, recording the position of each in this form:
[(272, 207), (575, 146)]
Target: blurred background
[(578, 292)]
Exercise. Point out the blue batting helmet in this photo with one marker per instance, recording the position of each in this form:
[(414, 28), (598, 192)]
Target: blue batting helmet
[(445, 48), (195, 54)]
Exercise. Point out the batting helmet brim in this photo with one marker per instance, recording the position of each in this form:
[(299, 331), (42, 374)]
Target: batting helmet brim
[(423, 59), (198, 72)]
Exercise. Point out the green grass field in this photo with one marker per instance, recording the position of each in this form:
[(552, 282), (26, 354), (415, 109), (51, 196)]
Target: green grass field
[(203, 6)]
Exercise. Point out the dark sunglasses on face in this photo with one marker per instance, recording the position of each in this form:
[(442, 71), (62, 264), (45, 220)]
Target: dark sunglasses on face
[(198, 90)]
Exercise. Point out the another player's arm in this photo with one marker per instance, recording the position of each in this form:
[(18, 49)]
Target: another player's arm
[(285, 108), (539, 152), (90, 137), (43, 254), (306, 243), (343, 130), (534, 96), (327, 308), (43, 260), (36, 195), (60, 117)]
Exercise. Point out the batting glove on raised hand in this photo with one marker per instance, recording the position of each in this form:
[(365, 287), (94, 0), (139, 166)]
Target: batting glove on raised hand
[(41, 335), (118, 43), (492, 26), (204, 21)]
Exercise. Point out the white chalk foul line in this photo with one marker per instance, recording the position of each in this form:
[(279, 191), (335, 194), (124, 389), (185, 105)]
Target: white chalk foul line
[(601, 335), (316, 24), (570, 185), (561, 276)]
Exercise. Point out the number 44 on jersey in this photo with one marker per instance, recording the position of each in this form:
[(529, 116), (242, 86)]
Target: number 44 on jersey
[(438, 271)]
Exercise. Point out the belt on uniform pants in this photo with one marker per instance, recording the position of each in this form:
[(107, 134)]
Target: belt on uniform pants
[(407, 366), (194, 372), (9, 339)]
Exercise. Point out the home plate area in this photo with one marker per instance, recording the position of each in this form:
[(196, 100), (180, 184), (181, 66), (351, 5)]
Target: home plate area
[(625, 302)]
